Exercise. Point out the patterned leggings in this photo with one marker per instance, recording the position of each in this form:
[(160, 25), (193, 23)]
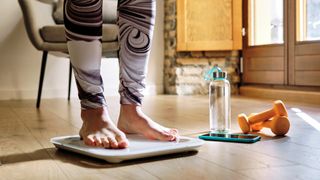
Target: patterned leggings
[(83, 25)]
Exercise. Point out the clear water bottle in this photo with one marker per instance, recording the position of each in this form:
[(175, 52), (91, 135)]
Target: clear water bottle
[(219, 106)]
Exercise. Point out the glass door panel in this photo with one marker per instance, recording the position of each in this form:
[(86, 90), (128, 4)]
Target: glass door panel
[(304, 56), (264, 49), (308, 20), (265, 21)]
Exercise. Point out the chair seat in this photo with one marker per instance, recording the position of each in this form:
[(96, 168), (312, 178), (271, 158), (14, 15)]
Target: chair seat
[(56, 34)]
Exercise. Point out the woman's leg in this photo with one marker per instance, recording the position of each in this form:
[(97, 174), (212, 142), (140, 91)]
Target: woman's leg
[(136, 24), (83, 25)]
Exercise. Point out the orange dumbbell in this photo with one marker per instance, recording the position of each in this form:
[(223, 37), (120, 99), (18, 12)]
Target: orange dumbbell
[(256, 121), (256, 126), (244, 124), (278, 109), (279, 125)]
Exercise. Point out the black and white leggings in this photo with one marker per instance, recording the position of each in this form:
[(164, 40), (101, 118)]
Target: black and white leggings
[(83, 25)]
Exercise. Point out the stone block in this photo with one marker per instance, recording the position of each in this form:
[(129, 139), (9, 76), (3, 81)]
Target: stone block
[(191, 70), (177, 71), (185, 90), (170, 52), (184, 79), (183, 54), (170, 90), (235, 79), (229, 70), (167, 63), (197, 54), (172, 34), (192, 61), (170, 25), (217, 61), (211, 54)]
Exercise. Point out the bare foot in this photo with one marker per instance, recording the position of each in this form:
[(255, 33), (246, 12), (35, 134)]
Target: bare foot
[(133, 120), (99, 130)]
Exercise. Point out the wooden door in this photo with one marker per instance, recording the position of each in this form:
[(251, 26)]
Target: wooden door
[(264, 57), (304, 44)]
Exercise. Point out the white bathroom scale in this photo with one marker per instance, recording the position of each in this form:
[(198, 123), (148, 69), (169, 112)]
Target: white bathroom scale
[(139, 147)]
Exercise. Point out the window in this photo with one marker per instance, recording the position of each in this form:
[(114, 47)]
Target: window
[(308, 20), (265, 22)]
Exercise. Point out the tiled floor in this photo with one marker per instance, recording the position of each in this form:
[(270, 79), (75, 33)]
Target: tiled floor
[(26, 153)]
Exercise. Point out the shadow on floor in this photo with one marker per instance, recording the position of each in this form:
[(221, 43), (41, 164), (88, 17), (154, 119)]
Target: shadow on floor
[(268, 137), (264, 136), (81, 160)]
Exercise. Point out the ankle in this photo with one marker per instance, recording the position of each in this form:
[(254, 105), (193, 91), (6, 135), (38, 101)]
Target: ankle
[(93, 113), (130, 108)]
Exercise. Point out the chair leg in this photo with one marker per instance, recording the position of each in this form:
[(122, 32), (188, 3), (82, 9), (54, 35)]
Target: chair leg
[(70, 78), (42, 71)]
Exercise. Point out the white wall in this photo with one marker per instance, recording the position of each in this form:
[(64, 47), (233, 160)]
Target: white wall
[(20, 61), (155, 74)]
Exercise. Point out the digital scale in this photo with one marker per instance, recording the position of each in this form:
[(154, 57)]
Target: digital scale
[(139, 147)]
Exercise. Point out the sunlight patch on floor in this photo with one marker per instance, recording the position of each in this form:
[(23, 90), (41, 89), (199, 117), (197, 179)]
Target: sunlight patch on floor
[(308, 119)]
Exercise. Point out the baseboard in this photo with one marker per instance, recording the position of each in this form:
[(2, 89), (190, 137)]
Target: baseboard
[(304, 96)]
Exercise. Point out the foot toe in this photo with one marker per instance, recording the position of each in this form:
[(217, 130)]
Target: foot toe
[(105, 143), (97, 141), (175, 133), (113, 142), (89, 141), (122, 140)]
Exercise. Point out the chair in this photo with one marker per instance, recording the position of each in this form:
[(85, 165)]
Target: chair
[(43, 21)]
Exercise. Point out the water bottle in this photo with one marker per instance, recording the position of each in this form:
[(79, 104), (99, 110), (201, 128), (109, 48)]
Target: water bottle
[(219, 102)]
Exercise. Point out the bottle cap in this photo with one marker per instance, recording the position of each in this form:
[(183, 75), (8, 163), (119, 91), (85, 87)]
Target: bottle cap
[(219, 75), (215, 73)]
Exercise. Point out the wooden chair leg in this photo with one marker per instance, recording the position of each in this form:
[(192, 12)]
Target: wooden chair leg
[(70, 78), (42, 72)]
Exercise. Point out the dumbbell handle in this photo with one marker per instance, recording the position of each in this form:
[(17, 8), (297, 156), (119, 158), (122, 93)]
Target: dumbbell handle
[(262, 116), (266, 124)]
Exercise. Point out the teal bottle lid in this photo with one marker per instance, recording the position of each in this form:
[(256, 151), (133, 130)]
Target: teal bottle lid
[(215, 73), (219, 75)]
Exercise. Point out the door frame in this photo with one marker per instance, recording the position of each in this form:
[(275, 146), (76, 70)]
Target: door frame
[(296, 48), (272, 50)]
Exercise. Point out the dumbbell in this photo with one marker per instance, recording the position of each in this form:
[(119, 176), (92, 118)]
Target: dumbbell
[(254, 121), (279, 125), (278, 109), (244, 123), (256, 126)]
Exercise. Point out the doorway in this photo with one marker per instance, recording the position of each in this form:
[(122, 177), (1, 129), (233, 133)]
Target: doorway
[(281, 44)]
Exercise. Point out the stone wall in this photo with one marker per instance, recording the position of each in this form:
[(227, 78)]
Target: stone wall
[(184, 71)]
